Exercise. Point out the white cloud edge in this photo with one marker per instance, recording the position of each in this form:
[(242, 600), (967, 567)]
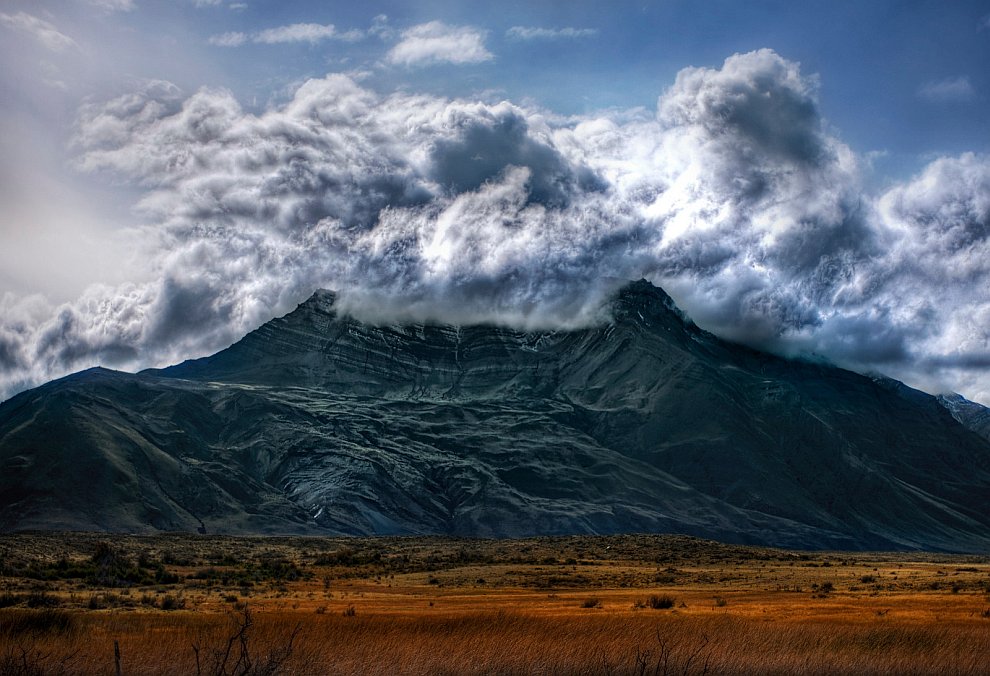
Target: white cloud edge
[(41, 30), (528, 33), (311, 33), (436, 42), (113, 5), (956, 88)]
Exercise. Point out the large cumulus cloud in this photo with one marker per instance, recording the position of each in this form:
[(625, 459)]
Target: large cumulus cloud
[(732, 194)]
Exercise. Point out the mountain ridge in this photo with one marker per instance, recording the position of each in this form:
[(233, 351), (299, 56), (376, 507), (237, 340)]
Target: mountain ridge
[(319, 423)]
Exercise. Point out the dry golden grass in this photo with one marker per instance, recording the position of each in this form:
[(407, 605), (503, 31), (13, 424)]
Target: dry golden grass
[(435, 606)]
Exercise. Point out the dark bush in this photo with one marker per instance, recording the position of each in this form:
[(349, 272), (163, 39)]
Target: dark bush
[(661, 601), (112, 568), (163, 576), (42, 600)]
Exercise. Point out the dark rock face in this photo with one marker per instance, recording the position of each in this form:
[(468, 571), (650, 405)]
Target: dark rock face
[(318, 423)]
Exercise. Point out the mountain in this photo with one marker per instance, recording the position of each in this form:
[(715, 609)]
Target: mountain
[(971, 415), (316, 422)]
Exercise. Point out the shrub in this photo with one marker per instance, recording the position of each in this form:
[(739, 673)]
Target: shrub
[(42, 600), (661, 601), (593, 602), (172, 602), (163, 576), (112, 568), (46, 621), (100, 601), (669, 658), (234, 654)]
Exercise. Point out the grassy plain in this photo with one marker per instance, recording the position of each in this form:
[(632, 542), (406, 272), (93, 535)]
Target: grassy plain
[(572, 605)]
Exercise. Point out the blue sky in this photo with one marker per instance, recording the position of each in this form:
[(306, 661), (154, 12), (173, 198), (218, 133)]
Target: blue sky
[(847, 218), (875, 59), (881, 63)]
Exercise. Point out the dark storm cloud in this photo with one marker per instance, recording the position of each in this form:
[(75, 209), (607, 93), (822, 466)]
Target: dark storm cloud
[(10, 353), (485, 146), (979, 362), (733, 196), (757, 98)]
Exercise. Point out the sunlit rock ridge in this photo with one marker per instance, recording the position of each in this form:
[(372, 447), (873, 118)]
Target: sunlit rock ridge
[(317, 422)]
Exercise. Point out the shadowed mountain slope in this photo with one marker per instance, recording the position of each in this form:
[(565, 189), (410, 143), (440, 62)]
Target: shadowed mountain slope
[(319, 423)]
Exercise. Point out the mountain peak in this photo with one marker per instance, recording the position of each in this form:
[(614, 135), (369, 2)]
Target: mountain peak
[(635, 296), (323, 300), (643, 297)]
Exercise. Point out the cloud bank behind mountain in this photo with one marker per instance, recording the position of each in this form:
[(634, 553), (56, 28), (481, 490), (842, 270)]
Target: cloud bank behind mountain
[(733, 194)]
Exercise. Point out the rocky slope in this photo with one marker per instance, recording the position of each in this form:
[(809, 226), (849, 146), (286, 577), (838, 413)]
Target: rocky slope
[(973, 416), (318, 423)]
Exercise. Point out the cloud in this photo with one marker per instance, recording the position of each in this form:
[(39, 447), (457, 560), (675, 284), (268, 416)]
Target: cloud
[(949, 89), (535, 33), (436, 42), (939, 259), (733, 195), (297, 32), (42, 31), (229, 39), (381, 27), (113, 5)]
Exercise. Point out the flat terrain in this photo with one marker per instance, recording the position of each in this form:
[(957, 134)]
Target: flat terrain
[(584, 605)]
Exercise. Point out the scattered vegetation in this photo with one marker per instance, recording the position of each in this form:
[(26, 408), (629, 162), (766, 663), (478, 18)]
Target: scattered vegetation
[(219, 605)]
